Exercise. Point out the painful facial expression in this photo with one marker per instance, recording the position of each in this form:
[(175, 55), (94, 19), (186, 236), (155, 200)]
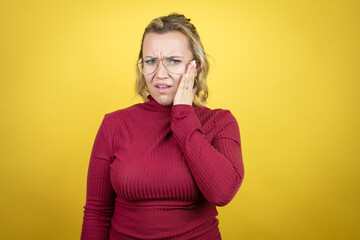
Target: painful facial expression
[(163, 84)]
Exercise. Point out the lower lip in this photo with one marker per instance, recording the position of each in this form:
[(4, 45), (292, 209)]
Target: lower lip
[(162, 90)]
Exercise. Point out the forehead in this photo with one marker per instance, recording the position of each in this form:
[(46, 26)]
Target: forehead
[(168, 44)]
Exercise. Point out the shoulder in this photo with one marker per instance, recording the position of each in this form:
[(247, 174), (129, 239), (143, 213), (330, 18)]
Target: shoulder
[(114, 117)]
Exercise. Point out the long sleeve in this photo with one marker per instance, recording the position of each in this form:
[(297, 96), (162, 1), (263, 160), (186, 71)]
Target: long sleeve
[(217, 167), (99, 206)]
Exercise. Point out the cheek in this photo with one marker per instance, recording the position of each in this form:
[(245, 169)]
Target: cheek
[(177, 80), (148, 79)]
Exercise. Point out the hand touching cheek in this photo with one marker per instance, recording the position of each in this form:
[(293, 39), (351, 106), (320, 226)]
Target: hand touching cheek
[(185, 92)]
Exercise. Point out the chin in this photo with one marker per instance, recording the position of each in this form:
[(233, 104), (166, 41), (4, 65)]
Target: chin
[(164, 100)]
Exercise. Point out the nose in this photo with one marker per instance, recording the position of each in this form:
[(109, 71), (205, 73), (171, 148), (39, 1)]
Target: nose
[(161, 71)]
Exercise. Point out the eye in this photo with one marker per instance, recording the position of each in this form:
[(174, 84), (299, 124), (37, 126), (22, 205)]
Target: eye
[(150, 61), (173, 61)]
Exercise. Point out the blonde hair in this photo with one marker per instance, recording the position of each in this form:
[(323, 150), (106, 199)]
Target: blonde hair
[(178, 22)]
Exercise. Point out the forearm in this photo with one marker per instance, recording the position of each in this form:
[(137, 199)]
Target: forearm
[(217, 169)]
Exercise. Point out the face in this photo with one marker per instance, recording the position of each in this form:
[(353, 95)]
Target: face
[(165, 45)]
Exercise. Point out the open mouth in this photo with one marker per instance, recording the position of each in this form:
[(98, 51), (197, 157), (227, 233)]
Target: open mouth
[(163, 88)]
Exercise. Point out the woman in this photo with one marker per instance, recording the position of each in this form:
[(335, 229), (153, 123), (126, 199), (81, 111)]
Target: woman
[(158, 169)]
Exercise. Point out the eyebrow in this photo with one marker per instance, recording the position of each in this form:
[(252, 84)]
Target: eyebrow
[(165, 57)]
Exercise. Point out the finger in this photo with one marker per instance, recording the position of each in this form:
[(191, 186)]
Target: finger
[(185, 77), (188, 74), (187, 80), (188, 85), (192, 74), (194, 71), (183, 81)]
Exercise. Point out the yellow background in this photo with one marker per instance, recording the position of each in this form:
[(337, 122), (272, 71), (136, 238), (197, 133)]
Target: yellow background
[(288, 70)]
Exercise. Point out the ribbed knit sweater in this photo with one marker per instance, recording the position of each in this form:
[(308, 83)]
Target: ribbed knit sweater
[(158, 172)]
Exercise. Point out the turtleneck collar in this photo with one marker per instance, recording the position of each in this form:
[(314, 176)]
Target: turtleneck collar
[(153, 105)]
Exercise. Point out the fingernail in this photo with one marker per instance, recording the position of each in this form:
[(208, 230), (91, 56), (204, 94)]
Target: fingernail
[(193, 63)]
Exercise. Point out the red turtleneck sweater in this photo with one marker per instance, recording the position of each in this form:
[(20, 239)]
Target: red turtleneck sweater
[(158, 172)]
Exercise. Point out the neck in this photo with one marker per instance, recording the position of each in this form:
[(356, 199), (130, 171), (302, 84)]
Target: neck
[(154, 106)]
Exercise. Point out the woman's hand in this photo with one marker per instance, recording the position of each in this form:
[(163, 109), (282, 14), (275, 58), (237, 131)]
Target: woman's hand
[(185, 92)]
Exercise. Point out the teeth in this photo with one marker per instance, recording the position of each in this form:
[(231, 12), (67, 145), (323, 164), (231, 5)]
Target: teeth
[(162, 86)]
